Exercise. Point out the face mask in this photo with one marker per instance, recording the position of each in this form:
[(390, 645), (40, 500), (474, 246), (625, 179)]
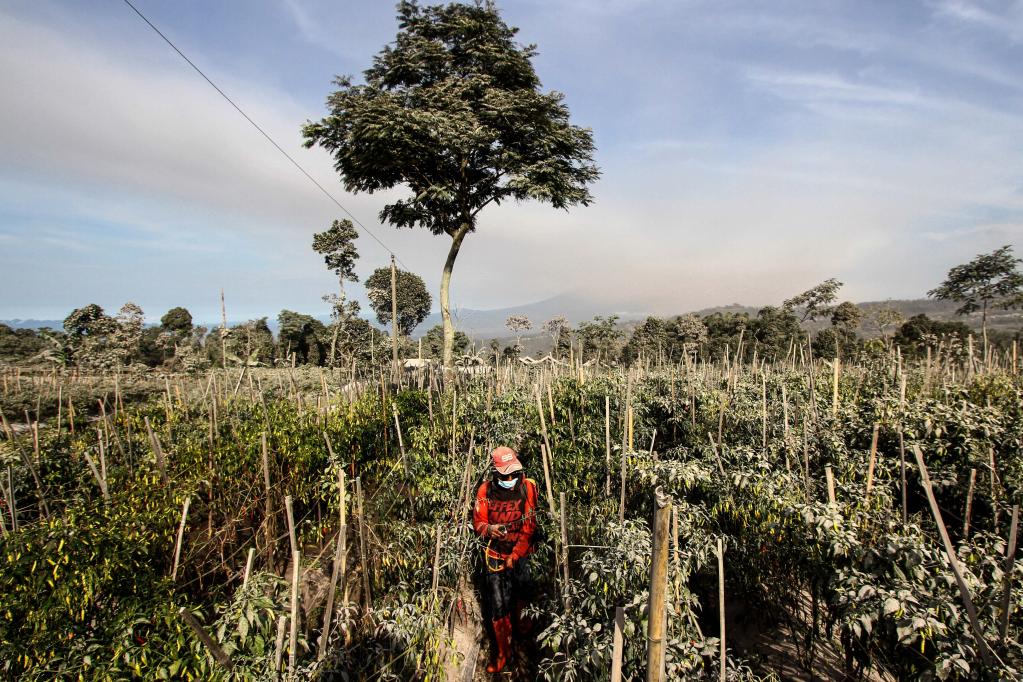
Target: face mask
[(507, 485)]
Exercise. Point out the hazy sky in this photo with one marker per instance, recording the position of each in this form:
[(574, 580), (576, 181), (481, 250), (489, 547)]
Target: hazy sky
[(749, 150)]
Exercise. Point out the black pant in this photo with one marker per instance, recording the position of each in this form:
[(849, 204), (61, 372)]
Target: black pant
[(507, 586)]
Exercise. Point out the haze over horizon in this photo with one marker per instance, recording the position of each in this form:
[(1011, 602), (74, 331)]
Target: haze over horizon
[(746, 154)]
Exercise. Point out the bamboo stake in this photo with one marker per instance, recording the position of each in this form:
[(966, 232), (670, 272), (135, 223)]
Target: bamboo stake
[(296, 576), (435, 583), (617, 646), (1010, 560), (723, 656), (953, 562), (870, 466), (181, 536), (363, 558), (338, 572), (292, 535), (157, 451), (248, 567), (969, 505), (564, 547), (282, 622), (607, 444), (657, 614), (902, 473), (268, 513), (831, 485), (547, 479), (834, 394)]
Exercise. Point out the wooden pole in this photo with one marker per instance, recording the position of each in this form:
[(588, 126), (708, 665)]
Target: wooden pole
[(1010, 560), (218, 654), (341, 549), (394, 316), (834, 393), (617, 646), (953, 562), (564, 546), (268, 512), (181, 535), (363, 558), (296, 577), (870, 465), (292, 535), (969, 504), (157, 451), (723, 655), (547, 479), (902, 473), (657, 614), (248, 567), (831, 485), (435, 583), (282, 622), (607, 444)]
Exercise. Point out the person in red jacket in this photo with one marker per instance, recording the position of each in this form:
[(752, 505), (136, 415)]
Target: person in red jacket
[(505, 517)]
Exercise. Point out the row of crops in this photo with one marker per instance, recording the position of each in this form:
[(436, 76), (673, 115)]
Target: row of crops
[(97, 562)]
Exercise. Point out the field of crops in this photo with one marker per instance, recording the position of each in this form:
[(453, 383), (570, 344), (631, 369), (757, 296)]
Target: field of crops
[(306, 523)]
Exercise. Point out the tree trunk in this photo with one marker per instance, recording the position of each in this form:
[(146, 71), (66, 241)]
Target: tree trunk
[(445, 289)]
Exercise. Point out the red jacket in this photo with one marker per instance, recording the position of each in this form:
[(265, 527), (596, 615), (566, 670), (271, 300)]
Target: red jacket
[(518, 515)]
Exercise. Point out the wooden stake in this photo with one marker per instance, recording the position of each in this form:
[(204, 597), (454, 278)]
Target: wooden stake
[(953, 561), (607, 444), (296, 579), (181, 536), (157, 451), (969, 504), (831, 485), (870, 465), (248, 567), (723, 656), (268, 510), (657, 614), (564, 547), (338, 572), (1010, 561), (834, 394), (617, 646), (547, 479), (902, 473), (282, 622), (292, 535), (435, 583), (363, 557)]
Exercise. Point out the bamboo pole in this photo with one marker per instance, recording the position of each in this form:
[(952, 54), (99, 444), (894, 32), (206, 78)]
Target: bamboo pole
[(248, 567), (292, 535), (657, 613), (282, 622), (953, 561), (296, 579), (831, 485), (268, 513), (157, 452), (337, 572), (617, 645), (969, 504), (1010, 560), (564, 546), (871, 464), (363, 558), (181, 536), (722, 655), (607, 444), (902, 473)]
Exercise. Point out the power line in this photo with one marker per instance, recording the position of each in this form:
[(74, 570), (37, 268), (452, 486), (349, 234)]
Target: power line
[(262, 132)]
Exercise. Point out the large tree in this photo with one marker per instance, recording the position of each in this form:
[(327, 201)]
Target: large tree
[(413, 302), (989, 280), (454, 112)]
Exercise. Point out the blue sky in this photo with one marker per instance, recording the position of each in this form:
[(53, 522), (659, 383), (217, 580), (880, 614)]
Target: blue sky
[(749, 150)]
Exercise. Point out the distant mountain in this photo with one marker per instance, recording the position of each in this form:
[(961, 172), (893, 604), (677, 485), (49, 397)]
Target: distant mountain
[(486, 324), (33, 324)]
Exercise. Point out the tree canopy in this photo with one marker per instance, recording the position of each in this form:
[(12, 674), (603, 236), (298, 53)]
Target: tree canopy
[(453, 111), (815, 302), (414, 300), (989, 280)]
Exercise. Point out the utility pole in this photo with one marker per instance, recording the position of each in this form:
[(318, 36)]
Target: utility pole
[(394, 317)]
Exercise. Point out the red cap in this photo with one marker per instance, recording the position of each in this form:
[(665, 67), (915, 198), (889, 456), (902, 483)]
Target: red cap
[(506, 460)]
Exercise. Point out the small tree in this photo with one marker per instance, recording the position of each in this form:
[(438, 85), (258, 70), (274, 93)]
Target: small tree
[(453, 110), (815, 302), (516, 325), (337, 246), (413, 299), (884, 319), (847, 315), (556, 328), (988, 281)]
